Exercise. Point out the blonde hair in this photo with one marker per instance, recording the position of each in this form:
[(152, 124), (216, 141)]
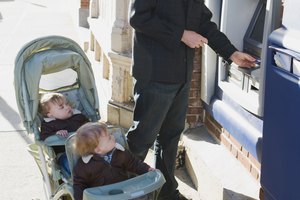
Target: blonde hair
[(87, 137), (54, 98)]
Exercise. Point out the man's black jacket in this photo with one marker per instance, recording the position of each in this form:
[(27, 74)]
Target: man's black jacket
[(159, 54)]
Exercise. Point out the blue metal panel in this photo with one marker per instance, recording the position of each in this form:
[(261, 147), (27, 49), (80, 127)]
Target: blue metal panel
[(280, 172), (241, 124)]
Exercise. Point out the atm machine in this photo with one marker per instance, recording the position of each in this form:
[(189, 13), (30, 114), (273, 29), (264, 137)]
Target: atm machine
[(266, 98), (229, 90)]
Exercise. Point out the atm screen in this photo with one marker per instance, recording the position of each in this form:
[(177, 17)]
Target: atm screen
[(254, 34)]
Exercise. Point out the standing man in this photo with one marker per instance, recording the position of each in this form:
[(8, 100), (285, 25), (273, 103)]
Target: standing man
[(166, 35)]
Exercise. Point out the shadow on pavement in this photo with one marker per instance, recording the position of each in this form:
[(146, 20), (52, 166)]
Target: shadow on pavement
[(201, 135), (10, 115), (182, 175), (235, 195)]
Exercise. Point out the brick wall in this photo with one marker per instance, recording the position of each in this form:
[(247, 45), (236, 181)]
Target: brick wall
[(195, 108), (84, 3), (236, 149)]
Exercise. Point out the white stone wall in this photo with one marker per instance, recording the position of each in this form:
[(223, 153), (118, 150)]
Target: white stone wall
[(111, 39)]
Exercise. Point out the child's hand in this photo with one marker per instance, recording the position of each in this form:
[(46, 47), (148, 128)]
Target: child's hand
[(151, 169), (62, 133)]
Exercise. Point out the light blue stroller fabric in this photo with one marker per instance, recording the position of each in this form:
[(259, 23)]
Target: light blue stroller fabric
[(48, 55)]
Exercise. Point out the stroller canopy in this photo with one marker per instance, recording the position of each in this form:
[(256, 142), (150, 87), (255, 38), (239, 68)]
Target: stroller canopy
[(49, 55)]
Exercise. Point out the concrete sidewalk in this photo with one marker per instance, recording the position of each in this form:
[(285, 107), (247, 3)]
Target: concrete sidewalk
[(21, 22)]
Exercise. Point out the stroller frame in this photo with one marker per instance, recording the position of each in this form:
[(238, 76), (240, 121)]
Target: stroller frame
[(49, 55)]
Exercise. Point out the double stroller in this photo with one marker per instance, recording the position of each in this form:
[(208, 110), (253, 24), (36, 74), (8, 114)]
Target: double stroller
[(58, 64)]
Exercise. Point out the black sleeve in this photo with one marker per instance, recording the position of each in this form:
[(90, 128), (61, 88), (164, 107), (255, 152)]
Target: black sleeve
[(217, 40), (143, 19)]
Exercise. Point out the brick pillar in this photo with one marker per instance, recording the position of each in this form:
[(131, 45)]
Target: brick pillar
[(194, 114), (84, 4)]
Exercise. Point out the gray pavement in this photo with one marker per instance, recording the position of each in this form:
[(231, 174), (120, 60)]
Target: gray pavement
[(20, 22)]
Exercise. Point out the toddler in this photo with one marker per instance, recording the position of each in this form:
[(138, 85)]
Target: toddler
[(59, 119), (103, 161)]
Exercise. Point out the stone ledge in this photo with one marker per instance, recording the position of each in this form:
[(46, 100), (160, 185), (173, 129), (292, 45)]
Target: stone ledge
[(120, 113), (215, 173)]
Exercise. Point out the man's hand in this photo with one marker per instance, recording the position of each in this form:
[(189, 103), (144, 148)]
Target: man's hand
[(243, 59), (193, 39)]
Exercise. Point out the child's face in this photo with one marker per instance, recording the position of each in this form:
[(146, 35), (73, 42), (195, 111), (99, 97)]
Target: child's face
[(106, 143), (60, 110)]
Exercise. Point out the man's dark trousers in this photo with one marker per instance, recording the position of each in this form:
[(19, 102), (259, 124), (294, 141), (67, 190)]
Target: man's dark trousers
[(159, 116)]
